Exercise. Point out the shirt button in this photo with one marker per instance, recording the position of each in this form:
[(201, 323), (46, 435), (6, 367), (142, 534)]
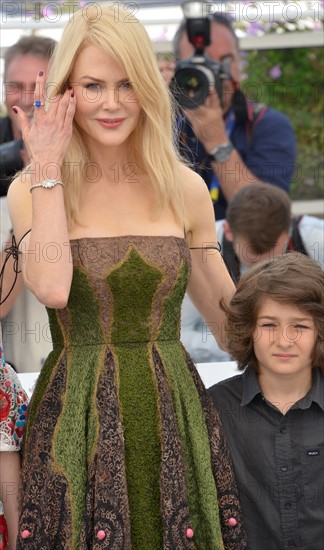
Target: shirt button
[(284, 468), (291, 544), (283, 429), (287, 505)]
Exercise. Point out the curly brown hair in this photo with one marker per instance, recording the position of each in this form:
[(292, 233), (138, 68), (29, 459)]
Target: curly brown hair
[(292, 279)]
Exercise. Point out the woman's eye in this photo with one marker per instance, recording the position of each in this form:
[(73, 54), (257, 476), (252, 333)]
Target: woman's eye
[(268, 325), (126, 85), (92, 86)]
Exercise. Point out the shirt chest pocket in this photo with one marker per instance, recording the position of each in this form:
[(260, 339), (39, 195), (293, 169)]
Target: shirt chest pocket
[(312, 462)]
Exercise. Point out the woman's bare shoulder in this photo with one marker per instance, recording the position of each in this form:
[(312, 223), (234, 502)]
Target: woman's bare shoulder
[(193, 184), (197, 202)]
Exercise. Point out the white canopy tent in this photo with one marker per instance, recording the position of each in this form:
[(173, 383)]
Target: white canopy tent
[(162, 18), (260, 24)]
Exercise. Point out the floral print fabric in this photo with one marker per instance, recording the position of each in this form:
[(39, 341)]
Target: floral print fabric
[(13, 406)]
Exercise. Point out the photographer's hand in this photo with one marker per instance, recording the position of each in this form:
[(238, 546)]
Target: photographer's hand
[(207, 122)]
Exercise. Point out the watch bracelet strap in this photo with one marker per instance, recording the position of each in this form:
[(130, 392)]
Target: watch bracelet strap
[(217, 149), (44, 187)]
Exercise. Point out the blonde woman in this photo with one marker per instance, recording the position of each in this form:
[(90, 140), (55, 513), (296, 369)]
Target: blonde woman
[(123, 450)]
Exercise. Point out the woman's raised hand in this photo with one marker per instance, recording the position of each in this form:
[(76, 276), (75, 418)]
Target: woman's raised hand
[(48, 135)]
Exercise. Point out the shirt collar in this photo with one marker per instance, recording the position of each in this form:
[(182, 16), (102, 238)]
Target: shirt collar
[(316, 393), (251, 388)]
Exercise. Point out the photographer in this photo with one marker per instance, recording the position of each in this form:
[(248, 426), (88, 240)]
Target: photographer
[(231, 141), (23, 318)]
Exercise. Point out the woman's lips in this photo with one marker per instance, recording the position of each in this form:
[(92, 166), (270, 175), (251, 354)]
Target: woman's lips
[(111, 122)]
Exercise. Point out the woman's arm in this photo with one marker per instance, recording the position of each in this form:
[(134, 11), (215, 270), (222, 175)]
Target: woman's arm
[(45, 251), (9, 487), (10, 289), (210, 280)]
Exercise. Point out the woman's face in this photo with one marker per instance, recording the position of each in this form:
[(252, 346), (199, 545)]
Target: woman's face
[(107, 108)]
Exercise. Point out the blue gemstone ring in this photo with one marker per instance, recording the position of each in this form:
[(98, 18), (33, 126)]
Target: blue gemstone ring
[(38, 104)]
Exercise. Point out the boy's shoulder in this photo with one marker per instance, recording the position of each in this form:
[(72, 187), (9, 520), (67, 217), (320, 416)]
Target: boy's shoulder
[(316, 393), (231, 388)]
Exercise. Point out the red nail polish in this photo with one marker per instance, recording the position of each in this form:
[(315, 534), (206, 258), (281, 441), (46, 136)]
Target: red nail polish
[(72, 94), (40, 73), (69, 87), (15, 110)]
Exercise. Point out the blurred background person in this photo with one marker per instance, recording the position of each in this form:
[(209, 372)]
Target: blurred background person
[(22, 61), (166, 64), (13, 406), (259, 225)]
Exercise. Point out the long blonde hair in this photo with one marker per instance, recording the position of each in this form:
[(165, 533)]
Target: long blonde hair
[(125, 39)]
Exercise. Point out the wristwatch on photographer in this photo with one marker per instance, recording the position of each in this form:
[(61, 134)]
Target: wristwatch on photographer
[(221, 153)]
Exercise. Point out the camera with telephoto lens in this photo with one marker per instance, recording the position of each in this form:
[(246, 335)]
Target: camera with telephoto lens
[(195, 76), (11, 162)]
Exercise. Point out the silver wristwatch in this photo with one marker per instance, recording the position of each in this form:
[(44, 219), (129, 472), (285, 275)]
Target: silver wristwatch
[(221, 153)]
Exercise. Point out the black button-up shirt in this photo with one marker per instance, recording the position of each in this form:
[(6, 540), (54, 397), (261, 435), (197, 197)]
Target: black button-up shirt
[(279, 462)]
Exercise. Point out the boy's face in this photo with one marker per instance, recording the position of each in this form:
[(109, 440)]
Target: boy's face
[(284, 339)]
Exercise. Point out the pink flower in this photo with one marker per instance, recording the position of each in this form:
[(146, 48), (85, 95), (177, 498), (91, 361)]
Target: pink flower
[(275, 72), (47, 11)]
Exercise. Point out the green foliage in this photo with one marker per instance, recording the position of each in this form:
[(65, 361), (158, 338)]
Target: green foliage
[(291, 81)]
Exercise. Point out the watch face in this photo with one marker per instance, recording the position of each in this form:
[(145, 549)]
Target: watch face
[(221, 153)]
